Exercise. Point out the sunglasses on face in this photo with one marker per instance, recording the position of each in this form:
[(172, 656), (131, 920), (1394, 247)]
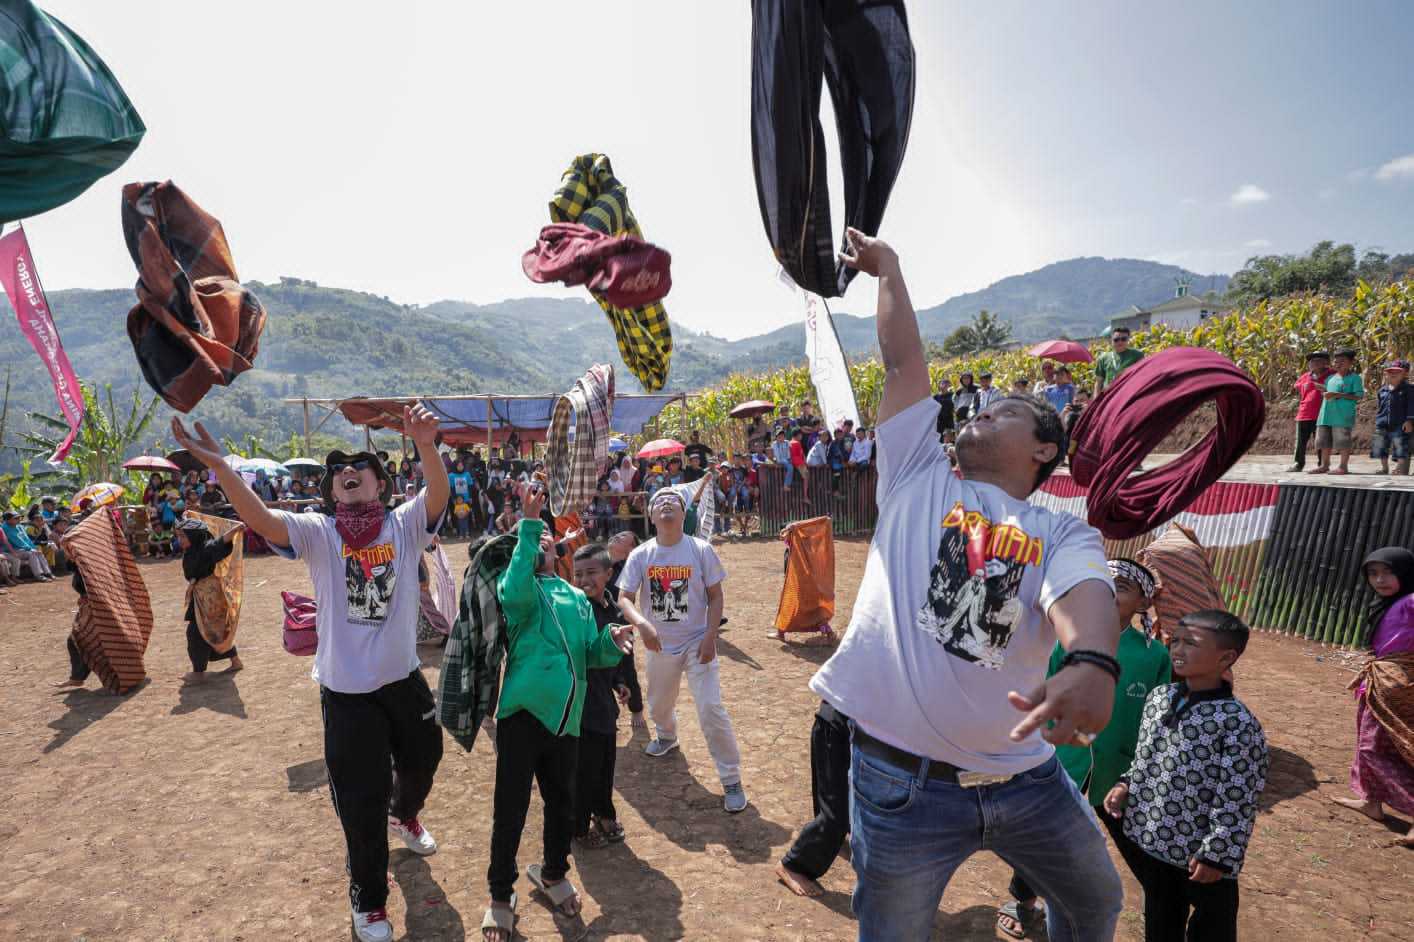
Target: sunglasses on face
[(359, 464)]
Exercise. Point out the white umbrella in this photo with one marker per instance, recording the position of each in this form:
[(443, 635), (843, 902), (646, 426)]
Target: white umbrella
[(304, 463), (271, 468)]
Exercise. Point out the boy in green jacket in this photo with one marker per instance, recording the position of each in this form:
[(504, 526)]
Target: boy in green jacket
[(552, 638), (1096, 767)]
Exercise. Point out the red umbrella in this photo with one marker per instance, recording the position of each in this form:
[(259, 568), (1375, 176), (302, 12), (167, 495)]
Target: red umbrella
[(1062, 351), (150, 463), (753, 408), (661, 447)]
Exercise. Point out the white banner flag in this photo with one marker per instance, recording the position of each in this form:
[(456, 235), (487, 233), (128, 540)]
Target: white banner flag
[(828, 369)]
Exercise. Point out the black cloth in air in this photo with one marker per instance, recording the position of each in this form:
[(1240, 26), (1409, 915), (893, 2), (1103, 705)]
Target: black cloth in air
[(862, 50)]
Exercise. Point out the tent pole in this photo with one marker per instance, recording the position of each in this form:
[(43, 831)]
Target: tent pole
[(682, 416), (488, 431), (308, 449)]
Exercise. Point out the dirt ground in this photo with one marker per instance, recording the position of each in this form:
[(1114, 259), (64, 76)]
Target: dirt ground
[(199, 813)]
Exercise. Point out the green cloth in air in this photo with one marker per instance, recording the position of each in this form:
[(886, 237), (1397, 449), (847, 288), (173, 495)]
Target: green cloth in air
[(64, 119)]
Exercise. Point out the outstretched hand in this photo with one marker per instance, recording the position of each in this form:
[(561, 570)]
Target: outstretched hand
[(1078, 698), (202, 446), (420, 424), (623, 637), (867, 254)]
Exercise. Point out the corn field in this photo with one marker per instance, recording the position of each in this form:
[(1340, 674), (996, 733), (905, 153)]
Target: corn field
[(1269, 340)]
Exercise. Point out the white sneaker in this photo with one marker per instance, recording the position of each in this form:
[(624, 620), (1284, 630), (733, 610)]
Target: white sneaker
[(418, 839), (372, 927)]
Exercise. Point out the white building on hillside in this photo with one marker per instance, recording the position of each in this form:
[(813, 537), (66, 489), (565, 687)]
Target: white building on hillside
[(1181, 312)]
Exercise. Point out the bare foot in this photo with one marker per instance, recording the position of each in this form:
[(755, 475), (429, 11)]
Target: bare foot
[(798, 883), (570, 907), (69, 683), (236, 665), (1405, 841), (1370, 809)]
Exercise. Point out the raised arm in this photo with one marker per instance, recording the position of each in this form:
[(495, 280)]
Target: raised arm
[(244, 501), (421, 426), (900, 345)]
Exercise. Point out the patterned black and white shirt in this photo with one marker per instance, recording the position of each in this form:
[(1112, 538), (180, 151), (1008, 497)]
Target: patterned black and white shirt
[(1199, 766)]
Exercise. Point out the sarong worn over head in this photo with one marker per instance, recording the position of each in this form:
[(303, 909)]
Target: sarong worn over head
[(574, 469), (808, 596), (862, 50), (590, 194), (115, 615), (1185, 577), (194, 326), (1389, 694), (217, 598), (65, 122)]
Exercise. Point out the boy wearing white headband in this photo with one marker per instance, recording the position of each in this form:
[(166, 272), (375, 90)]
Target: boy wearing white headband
[(677, 616), (1096, 767)]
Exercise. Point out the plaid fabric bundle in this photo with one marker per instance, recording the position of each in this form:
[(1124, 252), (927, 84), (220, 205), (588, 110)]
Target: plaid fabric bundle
[(590, 194), (575, 474), (65, 122), (470, 682), (194, 326), (114, 621)]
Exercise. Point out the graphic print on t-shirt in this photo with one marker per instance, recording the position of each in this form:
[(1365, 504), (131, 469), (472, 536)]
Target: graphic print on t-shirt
[(370, 576), (972, 604), (667, 592)]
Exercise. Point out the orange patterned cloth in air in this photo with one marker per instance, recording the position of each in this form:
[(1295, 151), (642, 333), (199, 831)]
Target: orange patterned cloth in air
[(115, 613), (1185, 577), (808, 596)]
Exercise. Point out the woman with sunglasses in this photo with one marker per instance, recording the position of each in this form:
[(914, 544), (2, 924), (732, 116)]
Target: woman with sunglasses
[(382, 743)]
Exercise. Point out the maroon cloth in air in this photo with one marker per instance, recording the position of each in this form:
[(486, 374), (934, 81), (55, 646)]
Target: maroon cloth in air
[(627, 271), (1138, 411)]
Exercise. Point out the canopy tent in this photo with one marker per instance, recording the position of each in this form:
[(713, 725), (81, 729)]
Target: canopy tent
[(484, 419)]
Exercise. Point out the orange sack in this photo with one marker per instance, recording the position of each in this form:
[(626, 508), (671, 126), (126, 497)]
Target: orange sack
[(808, 596)]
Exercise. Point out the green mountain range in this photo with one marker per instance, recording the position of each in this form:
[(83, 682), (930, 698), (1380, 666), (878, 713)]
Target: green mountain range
[(332, 342)]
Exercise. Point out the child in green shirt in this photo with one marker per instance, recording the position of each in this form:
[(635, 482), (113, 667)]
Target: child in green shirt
[(1095, 768), (1335, 426)]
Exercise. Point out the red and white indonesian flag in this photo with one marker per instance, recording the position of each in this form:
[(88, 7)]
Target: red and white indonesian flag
[(21, 283), (1228, 514)]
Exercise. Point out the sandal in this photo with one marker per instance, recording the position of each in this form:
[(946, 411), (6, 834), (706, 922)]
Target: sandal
[(612, 831), (1022, 921), (593, 839), (562, 895), (500, 920)]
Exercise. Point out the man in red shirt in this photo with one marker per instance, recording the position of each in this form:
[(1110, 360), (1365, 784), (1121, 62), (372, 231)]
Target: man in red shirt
[(1310, 389)]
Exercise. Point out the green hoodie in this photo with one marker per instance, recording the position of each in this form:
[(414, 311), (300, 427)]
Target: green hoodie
[(1143, 665), (551, 637)]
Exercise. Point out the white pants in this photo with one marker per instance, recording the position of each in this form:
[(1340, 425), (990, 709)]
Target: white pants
[(38, 565), (665, 681)]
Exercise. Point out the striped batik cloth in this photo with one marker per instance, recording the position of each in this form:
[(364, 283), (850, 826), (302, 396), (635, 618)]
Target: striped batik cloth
[(592, 196), (1186, 581), (114, 620)]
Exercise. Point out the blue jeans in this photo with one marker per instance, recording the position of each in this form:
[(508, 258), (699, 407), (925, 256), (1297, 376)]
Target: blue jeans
[(909, 834)]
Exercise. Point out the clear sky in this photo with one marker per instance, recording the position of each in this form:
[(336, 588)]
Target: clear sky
[(409, 149)]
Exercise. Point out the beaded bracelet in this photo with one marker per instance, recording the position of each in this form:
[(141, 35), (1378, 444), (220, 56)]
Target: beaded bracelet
[(1098, 659)]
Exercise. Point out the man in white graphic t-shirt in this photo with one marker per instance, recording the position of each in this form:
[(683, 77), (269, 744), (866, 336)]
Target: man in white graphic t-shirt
[(671, 591), (966, 590)]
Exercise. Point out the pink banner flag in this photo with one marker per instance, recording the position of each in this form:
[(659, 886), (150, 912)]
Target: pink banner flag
[(21, 284)]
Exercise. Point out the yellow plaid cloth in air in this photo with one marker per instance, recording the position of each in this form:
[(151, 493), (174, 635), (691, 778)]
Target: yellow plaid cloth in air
[(592, 196)]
